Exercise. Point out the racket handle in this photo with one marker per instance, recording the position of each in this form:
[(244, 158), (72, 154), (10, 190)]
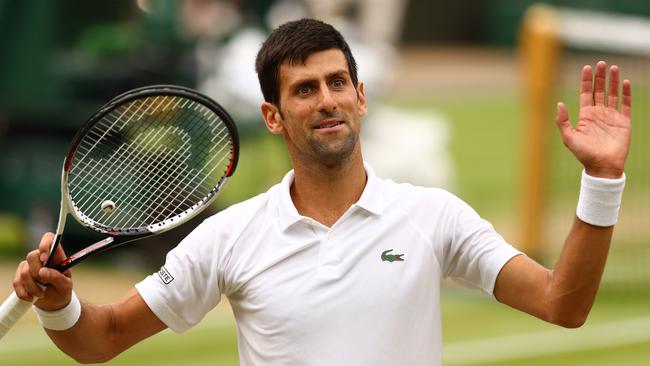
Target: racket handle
[(11, 311)]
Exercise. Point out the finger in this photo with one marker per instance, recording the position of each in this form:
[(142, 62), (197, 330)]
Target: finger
[(612, 90), (599, 83), (563, 123), (18, 285), (55, 279), (55, 257), (31, 285), (34, 263), (58, 292), (58, 256), (24, 284), (586, 91), (44, 246), (626, 105)]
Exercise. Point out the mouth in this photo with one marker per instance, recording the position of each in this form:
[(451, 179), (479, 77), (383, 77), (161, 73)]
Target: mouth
[(325, 124)]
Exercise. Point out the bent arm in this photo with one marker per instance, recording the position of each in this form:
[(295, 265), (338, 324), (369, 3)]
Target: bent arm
[(104, 331), (600, 141), (565, 294), (101, 332)]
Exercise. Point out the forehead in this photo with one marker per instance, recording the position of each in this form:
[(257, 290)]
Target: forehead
[(316, 65)]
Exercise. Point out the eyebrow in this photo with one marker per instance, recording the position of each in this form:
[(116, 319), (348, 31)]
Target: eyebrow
[(309, 80)]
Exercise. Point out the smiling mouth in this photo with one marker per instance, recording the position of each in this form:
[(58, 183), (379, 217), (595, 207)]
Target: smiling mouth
[(328, 124)]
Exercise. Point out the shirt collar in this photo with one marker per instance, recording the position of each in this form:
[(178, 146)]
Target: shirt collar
[(370, 199)]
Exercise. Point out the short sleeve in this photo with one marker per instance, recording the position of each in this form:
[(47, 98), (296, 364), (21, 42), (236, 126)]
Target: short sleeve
[(475, 253), (187, 286)]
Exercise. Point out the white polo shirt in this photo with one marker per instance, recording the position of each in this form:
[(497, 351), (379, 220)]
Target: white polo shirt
[(364, 292)]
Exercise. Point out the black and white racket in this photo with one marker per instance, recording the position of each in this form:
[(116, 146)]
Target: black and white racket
[(146, 162)]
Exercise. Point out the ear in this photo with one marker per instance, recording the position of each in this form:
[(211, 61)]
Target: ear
[(362, 102), (272, 118)]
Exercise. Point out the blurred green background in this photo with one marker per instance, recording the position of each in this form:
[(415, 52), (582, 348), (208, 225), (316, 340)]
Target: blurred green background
[(455, 61)]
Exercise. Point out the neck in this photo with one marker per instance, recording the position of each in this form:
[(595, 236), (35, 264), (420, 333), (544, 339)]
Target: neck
[(325, 193)]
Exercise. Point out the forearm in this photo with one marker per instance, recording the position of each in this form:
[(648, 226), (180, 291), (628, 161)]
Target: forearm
[(573, 283), (562, 295), (92, 339), (104, 331), (565, 294)]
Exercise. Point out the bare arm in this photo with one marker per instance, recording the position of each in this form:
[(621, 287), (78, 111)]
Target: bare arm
[(564, 295), (103, 331), (600, 141)]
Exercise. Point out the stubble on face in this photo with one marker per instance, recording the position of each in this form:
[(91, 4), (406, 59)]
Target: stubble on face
[(307, 119), (330, 152)]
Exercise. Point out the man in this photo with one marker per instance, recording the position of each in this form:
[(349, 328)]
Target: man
[(335, 266)]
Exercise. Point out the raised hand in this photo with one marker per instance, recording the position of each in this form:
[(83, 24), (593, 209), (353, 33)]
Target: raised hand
[(601, 139)]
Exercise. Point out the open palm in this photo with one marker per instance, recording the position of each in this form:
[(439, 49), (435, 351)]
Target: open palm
[(601, 139)]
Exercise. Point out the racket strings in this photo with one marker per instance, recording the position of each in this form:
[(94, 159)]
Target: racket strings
[(105, 180), (107, 140), (87, 166), (147, 177), (144, 182), (144, 165), (185, 183), (222, 135), (104, 131), (177, 198), (155, 184), (110, 128)]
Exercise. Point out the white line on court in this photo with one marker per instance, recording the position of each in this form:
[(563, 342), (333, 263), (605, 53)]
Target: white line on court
[(30, 337), (528, 345)]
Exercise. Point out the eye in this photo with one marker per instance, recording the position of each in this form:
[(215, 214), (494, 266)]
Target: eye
[(304, 89), (338, 83)]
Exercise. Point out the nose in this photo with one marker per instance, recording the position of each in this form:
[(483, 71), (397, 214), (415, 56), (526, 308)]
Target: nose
[(327, 101)]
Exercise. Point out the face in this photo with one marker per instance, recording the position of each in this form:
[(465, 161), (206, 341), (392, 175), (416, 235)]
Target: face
[(320, 109)]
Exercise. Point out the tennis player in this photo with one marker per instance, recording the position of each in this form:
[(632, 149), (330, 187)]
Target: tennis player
[(334, 265)]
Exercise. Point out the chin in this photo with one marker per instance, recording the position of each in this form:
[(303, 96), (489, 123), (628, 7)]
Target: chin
[(330, 155)]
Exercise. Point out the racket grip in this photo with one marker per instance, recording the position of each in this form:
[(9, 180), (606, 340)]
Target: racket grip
[(11, 311)]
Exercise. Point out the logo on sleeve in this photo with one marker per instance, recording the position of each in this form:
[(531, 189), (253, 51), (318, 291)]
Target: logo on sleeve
[(165, 276), (386, 257)]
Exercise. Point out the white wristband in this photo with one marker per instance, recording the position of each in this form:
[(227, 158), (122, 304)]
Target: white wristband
[(600, 199), (61, 319)]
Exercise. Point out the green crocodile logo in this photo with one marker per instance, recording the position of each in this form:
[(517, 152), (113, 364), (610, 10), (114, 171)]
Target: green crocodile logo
[(391, 257)]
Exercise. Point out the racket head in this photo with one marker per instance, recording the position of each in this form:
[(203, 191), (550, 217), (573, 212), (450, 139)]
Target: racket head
[(148, 160)]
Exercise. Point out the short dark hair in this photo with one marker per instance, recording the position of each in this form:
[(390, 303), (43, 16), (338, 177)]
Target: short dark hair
[(294, 42)]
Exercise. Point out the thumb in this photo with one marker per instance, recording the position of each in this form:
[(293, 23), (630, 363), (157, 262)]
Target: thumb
[(58, 291), (563, 123)]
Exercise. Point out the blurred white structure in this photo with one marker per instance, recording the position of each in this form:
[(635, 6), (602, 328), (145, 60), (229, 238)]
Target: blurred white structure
[(408, 146), (403, 145), (379, 21), (231, 78)]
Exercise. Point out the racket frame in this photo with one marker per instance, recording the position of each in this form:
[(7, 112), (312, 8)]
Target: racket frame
[(116, 238), (13, 308)]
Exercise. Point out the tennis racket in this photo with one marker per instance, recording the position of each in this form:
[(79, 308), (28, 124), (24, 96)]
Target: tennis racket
[(146, 162)]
